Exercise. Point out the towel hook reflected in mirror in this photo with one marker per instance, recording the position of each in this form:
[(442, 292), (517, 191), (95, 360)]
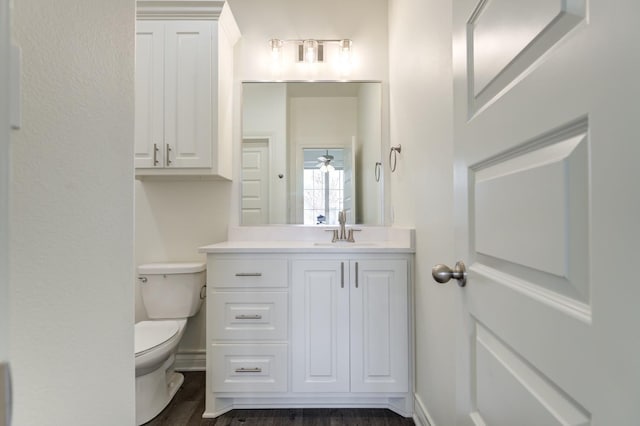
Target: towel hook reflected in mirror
[(395, 150), (377, 171)]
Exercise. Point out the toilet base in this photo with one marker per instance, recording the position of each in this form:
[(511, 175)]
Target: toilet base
[(155, 390)]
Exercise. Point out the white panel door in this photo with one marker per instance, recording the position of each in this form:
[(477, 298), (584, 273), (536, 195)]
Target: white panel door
[(320, 326), (255, 182), (547, 208), (149, 96), (188, 96), (379, 326)]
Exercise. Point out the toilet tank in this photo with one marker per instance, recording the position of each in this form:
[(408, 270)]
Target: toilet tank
[(173, 289)]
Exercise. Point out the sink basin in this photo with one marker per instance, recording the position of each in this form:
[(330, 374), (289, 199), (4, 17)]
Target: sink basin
[(343, 244)]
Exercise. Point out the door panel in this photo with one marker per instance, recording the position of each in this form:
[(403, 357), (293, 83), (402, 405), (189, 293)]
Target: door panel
[(149, 96), (543, 211), (530, 212), (379, 339), (506, 38), (320, 327), (188, 102), (255, 182), (526, 396)]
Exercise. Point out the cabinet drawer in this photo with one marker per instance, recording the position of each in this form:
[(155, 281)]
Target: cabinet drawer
[(248, 316), (248, 272), (249, 368)]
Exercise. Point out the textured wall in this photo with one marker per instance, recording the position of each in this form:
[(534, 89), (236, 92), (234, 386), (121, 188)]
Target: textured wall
[(71, 247), (4, 180), (420, 79)]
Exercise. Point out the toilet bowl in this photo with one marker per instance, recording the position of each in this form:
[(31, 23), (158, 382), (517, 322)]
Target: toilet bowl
[(156, 343), (171, 293)]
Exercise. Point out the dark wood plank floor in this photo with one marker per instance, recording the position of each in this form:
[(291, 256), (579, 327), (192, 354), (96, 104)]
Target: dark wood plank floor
[(188, 405)]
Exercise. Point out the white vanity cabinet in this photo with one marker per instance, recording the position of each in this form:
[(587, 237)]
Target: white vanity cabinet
[(350, 325), (308, 327), (183, 83)]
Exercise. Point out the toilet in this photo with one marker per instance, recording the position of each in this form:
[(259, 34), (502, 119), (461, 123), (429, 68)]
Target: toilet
[(171, 292)]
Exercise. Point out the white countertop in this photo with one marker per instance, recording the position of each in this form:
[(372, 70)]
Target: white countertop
[(295, 239)]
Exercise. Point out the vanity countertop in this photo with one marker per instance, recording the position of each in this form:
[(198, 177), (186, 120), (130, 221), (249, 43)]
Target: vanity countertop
[(299, 240)]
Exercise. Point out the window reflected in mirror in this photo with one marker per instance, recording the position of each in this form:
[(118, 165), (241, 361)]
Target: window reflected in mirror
[(323, 186)]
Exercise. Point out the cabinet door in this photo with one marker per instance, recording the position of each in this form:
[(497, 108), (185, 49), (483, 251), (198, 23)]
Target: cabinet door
[(188, 95), (149, 90), (320, 326), (379, 326)]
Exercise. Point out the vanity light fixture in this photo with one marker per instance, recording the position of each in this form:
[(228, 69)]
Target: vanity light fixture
[(312, 50)]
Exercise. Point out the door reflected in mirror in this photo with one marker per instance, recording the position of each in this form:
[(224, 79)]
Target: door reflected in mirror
[(309, 150)]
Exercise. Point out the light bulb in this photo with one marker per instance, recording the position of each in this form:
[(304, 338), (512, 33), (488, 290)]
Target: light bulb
[(310, 50), (345, 51), (276, 48)]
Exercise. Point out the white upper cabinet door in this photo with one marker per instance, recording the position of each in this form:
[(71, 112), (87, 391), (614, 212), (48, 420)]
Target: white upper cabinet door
[(379, 326), (320, 326), (547, 207), (149, 88), (188, 105)]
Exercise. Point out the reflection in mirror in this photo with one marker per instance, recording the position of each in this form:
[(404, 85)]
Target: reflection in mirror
[(323, 186), (309, 150)]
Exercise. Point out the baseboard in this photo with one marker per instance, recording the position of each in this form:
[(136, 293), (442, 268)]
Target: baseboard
[(420, 415), (191, 360)]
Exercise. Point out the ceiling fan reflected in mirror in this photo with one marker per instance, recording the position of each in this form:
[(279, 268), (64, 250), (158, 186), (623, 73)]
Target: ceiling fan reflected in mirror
[(325, 163)]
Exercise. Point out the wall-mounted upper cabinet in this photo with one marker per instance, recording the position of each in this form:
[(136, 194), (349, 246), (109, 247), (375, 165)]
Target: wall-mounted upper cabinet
[(184, 83)]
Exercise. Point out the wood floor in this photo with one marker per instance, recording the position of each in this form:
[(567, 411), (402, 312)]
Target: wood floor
[(188, 405)]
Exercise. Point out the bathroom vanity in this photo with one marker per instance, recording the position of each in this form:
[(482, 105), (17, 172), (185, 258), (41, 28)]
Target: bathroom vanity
[(304, 322)]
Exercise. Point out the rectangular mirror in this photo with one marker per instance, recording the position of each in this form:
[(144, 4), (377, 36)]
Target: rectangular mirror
[(309, 150)]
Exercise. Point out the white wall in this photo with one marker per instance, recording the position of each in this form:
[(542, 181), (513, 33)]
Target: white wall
[(363, 21), (173, 219), (316, 122), (369, 191), (421, 120), (71, 218), (264, 114)]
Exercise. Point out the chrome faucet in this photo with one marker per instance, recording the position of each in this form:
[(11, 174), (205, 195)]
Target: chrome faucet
[(342, 234), (342, 220)]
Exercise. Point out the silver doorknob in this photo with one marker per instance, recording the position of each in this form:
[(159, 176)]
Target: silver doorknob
[(442, 273)]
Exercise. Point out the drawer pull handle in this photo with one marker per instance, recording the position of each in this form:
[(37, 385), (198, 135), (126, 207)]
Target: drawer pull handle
[(249, 370), (247, 317), (248, 274)]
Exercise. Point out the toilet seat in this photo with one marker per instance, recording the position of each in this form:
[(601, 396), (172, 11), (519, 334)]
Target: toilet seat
[(151, 334)]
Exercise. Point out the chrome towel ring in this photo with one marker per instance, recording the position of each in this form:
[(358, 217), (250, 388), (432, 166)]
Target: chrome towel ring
[(395, 150), (377, 171)]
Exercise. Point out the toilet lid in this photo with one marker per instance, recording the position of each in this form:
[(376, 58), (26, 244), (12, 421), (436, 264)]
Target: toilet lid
[(149, 334)]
